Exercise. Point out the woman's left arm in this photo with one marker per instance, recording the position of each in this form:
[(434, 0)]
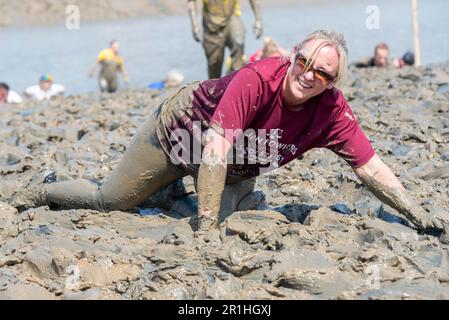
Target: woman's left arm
[(382, 182)]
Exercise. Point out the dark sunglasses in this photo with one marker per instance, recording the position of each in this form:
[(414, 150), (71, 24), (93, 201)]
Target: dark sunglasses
[(322, 76)]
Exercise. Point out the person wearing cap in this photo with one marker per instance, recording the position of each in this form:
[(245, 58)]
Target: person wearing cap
[(7, 95), (408, 59), (45, 90), (111, 63)]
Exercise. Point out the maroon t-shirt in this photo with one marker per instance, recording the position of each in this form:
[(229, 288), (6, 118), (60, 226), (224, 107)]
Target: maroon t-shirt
[(249, 103)]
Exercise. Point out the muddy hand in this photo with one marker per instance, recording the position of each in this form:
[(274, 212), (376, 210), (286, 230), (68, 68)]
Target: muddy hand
[(434, 223), (197, 34), (439, 226), (203, 236), (206, 223), (258, 29)]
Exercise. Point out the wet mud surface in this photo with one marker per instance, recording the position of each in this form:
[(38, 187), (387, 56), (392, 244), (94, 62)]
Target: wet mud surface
[(321, 235)]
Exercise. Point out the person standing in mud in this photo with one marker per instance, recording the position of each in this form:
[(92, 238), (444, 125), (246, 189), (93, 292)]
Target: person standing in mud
[(225, 132), (223, 28), (111, 63)]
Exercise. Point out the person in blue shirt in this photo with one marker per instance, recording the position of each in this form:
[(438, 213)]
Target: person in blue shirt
[(172, 79)]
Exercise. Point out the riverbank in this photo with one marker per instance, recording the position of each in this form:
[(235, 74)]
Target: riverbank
[(52, 12), (324, 237)]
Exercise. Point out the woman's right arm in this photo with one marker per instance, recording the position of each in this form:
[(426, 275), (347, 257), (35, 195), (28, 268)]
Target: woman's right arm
[(211, 180), (234, 113)]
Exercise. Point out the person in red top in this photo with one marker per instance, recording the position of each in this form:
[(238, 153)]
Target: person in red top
[(298, 99), (269, 49), (225, 132)]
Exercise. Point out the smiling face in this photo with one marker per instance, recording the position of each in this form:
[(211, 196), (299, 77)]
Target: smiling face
[(300, 86)]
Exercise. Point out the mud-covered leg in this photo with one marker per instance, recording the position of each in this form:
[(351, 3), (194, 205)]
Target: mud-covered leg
[(214, 46), (113, 85), (236, 197), (236, 42), (103, 84), (144, 170), (73, 194)]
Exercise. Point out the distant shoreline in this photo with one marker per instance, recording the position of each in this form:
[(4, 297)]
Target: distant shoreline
[(29, 13)]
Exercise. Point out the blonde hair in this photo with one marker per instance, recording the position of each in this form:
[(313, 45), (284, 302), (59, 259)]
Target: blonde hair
[(174, 78), (332, 39), (270, 48)]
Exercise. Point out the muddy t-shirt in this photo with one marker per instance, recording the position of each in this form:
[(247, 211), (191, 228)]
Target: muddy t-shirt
[(247, 108), (217, 13)]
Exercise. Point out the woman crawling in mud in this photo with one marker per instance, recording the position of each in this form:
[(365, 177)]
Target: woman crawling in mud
[(225, 132)]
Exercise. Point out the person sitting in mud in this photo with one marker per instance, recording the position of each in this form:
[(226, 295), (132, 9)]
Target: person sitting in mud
[(408, 59), (111, 63), (380, 59), (172, 79), (7, 95), (223, 28), (45, 90), (225, 132), (270, 49)]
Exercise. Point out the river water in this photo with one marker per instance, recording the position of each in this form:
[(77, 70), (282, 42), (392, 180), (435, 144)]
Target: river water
[(151, 47)]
